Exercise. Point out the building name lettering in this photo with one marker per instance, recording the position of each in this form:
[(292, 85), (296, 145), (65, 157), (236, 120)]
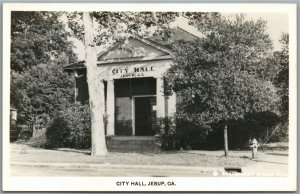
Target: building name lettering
[(132, 72)]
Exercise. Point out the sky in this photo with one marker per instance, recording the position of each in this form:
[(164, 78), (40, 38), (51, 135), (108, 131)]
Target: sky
[(277, 23)]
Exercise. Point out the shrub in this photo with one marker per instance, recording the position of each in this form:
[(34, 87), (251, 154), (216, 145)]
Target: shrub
[(39, 93), (280, 133), (38, 141), (166, 129), (71, 128), (190, 134), (186, 131), (259, 125), (179, 133)]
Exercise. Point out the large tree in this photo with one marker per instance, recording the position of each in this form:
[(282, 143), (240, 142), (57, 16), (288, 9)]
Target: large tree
[(96, 89), (225, 74)]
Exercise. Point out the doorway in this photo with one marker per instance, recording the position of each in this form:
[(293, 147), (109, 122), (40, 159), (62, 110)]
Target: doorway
[(145, 114)]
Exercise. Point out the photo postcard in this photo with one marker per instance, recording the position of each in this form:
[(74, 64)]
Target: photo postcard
[(149, 97)]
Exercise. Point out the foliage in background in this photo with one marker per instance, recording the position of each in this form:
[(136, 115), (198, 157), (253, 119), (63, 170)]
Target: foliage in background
[(40, 92), (259, 125), (166, 130), (38, 37), (190, 134), (39, 49), (178, 133), (226, 74), (39, 140), (70, 128), (117, 26), (282, 83), (282, 80), (113, 27), (181, 133)]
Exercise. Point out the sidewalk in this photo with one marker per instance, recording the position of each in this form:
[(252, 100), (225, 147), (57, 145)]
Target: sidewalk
[(112, 170), (29, 161), (269, 164)]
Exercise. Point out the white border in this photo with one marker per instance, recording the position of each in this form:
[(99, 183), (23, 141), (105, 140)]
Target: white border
[(179, 7), (182, 183)]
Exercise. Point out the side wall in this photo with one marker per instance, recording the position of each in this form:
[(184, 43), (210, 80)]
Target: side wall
[(81, 87)]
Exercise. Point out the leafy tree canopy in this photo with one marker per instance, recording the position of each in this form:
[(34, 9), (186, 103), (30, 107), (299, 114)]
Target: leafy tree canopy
[(225, 74), (117, 26), (37, 37), (39, 49), (282, 80), (40, 92)]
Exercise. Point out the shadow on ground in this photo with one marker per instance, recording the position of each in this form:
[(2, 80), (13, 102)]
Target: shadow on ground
[(278, 154), (87, 152)]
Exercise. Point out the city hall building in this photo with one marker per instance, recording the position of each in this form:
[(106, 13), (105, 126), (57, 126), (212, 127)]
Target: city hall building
[(132, 72)]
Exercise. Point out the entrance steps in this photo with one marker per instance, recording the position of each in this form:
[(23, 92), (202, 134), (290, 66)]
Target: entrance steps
[(132, 144)]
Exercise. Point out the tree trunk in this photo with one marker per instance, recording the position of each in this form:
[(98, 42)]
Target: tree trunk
[(96, 90), (225, 141)]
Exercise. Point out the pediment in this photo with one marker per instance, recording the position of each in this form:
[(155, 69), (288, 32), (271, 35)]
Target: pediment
[(133, 48)]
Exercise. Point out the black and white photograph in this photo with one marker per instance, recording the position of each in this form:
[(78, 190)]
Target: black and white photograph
[(149, 97)]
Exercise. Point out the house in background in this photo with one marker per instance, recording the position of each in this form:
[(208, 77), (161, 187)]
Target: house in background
[(132, 72)]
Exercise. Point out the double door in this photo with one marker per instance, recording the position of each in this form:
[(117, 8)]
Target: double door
[(144, 115)]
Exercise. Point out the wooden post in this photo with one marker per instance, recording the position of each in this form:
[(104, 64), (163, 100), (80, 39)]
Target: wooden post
[(160, 99), (110, 107), (225, 140), (96, 90), (75, 92)]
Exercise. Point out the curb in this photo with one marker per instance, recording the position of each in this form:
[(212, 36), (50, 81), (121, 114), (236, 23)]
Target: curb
[(117, 166)]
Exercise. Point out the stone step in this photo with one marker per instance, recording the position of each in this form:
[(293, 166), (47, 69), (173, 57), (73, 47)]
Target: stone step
[(133, 138), (131, 143), (134, 142)]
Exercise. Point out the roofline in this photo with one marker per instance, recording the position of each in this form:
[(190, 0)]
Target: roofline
[(74, 68), (188, 32), (154, 45), (168, 57), (99, 63), (114, 45), (140, 39), (78, 65)]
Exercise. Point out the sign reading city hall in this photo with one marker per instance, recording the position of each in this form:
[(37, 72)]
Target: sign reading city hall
[(127, 72)]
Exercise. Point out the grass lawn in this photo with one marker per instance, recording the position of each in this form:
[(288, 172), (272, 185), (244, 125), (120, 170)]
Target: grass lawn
[(26, 153)]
